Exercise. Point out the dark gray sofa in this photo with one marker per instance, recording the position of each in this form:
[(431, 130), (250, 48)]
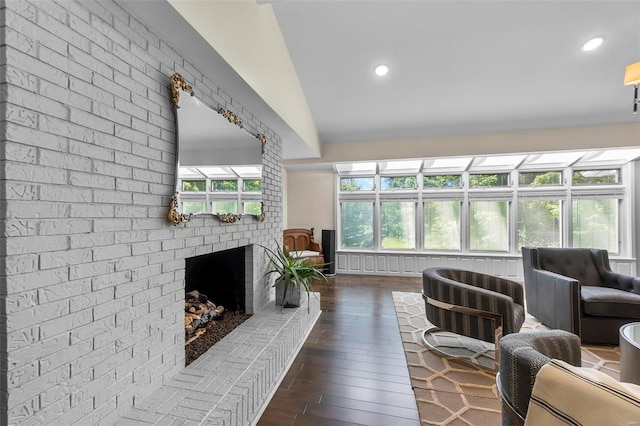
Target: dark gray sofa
[(574, 289)]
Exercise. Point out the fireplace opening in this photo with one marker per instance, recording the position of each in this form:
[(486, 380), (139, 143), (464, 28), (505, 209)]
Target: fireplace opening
[(215, 299)]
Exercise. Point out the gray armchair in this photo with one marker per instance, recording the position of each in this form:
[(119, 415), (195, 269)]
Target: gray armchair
[(574, 289), (521, 357), (472, 304)]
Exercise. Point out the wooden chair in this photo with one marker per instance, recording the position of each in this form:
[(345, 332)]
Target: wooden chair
[(298, 242)]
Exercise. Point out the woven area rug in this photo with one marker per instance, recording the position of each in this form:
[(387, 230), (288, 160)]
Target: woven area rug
[(450, 392)]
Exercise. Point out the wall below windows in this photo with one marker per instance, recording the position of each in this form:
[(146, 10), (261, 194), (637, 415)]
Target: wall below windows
[(412, 264)]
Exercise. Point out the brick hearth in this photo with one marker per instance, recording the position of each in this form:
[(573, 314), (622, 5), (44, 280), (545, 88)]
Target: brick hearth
[(233, 381)]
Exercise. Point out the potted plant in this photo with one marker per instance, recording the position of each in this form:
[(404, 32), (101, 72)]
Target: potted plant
[(292, 276)]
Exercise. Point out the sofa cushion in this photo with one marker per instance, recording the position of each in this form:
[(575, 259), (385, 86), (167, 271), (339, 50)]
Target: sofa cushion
[(563, 394), (609, 302)]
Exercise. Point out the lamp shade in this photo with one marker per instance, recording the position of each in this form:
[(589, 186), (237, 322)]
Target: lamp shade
[(632, 74)]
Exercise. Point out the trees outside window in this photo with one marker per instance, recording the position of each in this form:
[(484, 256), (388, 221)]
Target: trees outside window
[(356, 224), (398, 224), (539, 223), (489, 226), (595, 223), (441, 225)]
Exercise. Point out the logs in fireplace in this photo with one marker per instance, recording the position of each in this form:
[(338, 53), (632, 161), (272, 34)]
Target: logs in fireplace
[(198, 311)]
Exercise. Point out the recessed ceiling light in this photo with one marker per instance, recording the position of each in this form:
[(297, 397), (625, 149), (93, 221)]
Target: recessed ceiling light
[(381, 70), (592, 44)]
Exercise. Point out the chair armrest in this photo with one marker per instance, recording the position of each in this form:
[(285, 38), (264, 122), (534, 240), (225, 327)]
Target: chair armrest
[(315, 246), (621, 282), (460, 294), (521, 357), (558, 300)]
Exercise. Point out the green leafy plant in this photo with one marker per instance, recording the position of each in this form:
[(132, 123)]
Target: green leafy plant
[(293, 272)]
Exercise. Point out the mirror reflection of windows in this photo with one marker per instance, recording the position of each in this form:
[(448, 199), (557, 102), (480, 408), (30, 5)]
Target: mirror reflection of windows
[(219, 162)]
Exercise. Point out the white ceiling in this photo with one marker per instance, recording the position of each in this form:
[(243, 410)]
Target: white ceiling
[(460, 67)]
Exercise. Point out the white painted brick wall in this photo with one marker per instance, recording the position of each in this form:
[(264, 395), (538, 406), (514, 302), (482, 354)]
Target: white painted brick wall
[(91, 305)]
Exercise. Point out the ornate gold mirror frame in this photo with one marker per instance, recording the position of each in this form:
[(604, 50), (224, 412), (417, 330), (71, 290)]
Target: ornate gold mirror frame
[(178, 84)]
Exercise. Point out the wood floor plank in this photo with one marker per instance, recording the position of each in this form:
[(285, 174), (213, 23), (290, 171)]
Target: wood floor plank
[(351, 369)]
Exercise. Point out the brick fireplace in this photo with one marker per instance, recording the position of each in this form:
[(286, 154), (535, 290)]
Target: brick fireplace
[(91, 313)]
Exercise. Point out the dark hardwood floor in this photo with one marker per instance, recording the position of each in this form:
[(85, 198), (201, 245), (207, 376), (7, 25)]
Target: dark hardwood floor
[(351, 369)]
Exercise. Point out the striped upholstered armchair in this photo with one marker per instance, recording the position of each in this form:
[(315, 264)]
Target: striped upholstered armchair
[(522, 355), (472, 304)]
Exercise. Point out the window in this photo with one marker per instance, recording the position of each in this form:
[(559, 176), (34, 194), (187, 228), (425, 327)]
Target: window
[(252, 207), (397, 182), (194, 185), (252, 185), (488, 180), (194, 207), (489, 226), (224, 206), (595, 223), (489, 204), (539, 223), (442, 181), (398, 224), (356, 224), (539, 178), (357, 184), (441, 225), (596, 177), (224, 185)]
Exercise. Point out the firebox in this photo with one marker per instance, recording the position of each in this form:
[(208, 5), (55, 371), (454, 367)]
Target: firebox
[(219, 275)]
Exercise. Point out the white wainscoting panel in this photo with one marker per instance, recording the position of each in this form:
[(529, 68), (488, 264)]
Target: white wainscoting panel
[(412, 264)]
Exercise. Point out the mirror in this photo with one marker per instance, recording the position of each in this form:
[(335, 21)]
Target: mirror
[(219, 164)]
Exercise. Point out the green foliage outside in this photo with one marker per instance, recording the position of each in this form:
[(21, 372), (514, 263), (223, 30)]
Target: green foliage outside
[(539, 178), (356, 184), (222, 207), (489, 226), (488, 180), (252, 185), (194, 185), (397, 182), (595, 224), (193, 207), (603, 177), (252, 207), (356, 220), (442, 181), (224, 185), (539, 223), (398, 227), (441, 225)]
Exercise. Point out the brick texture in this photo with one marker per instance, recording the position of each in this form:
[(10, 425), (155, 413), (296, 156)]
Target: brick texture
[(91, 304)]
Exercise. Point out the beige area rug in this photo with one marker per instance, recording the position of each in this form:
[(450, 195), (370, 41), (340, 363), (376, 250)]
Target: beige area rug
[(450, 392)]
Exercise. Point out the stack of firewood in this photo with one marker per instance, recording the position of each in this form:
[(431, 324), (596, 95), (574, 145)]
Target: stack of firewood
[(199, 310)]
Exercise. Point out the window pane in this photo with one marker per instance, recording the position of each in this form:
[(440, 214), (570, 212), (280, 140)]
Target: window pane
[(538, 223), (398, 224), (442, 225), (356, 224), (356, 184), (252, 207), (194, 185), (221, 207), (596, 177), (539, 178), (397, 182), (252, 185), (595, 224), (488, 180), (224, 185), (193, 207), (442, 181), (489, 230)]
